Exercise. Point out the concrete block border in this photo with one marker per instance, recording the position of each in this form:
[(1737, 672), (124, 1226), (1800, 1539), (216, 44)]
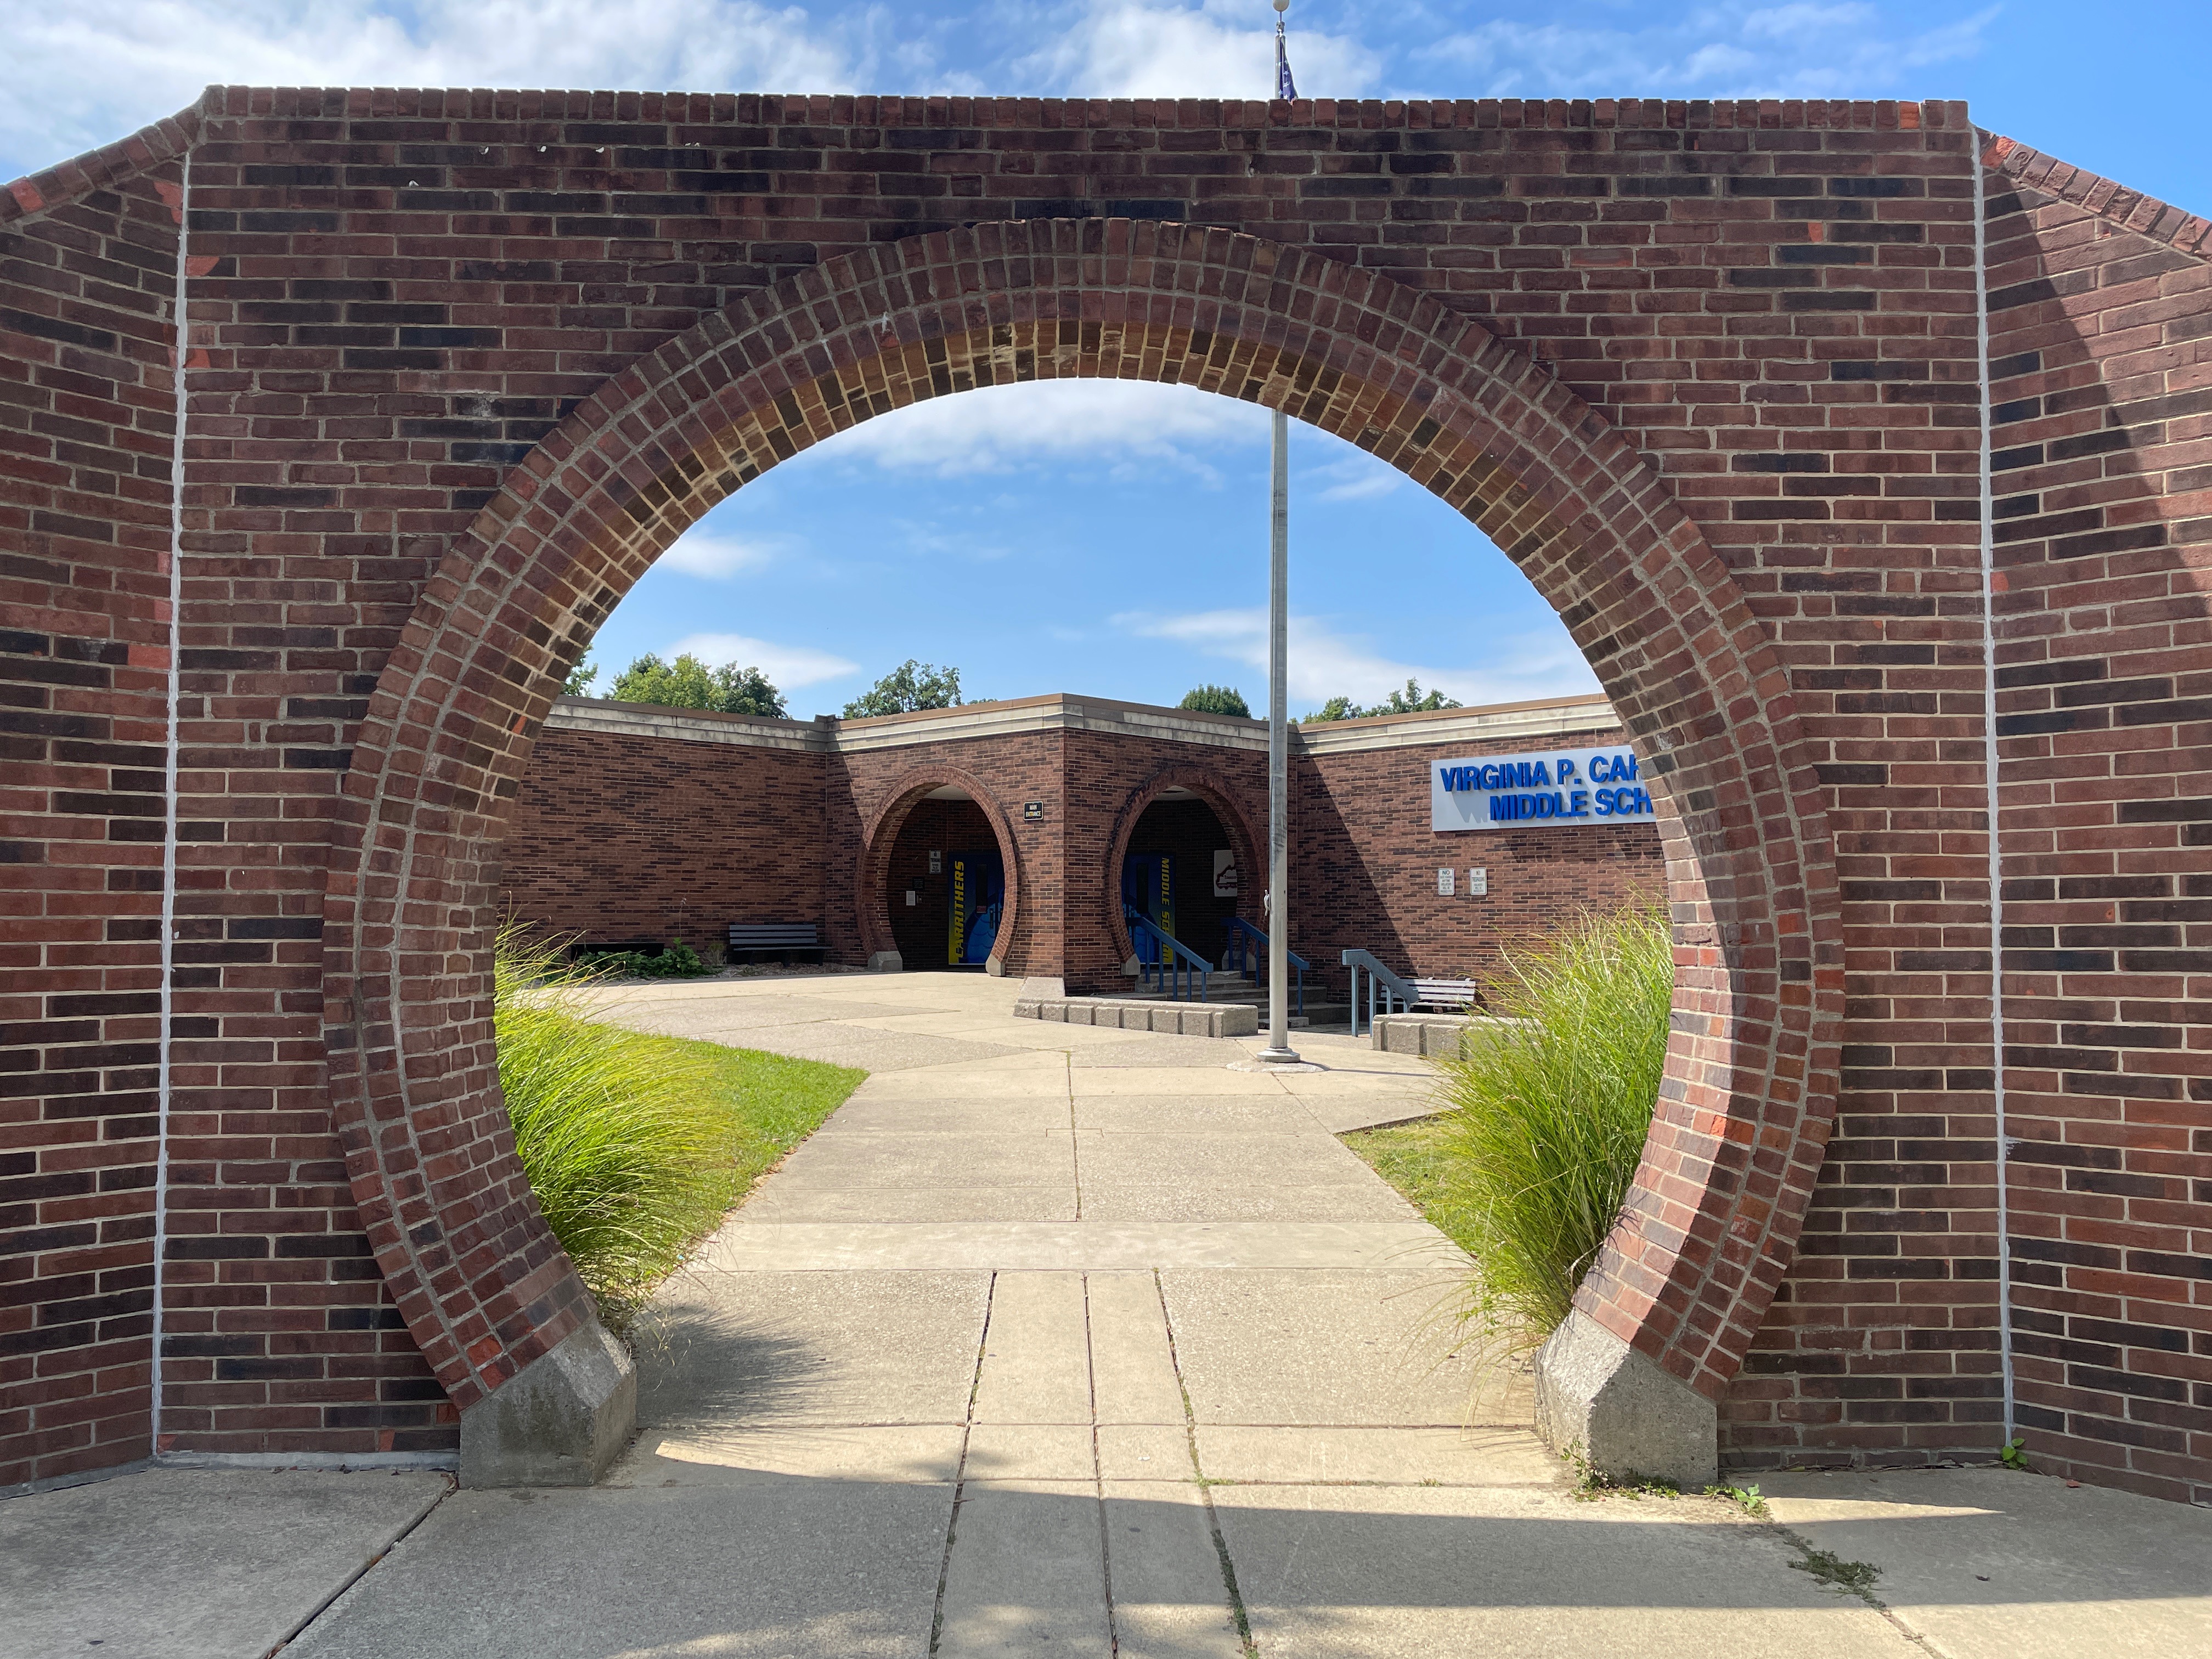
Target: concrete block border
[(1432, 1036), (1211, 1019)]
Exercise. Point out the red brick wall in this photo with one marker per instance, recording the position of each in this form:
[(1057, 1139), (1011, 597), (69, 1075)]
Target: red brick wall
[(2101, 379), (620, 838), (463, 363), (86, 418)]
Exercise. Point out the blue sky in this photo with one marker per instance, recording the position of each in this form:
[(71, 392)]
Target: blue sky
[(1111, 538)]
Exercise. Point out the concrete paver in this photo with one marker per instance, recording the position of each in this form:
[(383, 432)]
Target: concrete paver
[(1132, 1361), (1339, 1455), (680, 1563), (192, 1564), (935, 1162), (1027, 1572), (1037, 1355), (1326, 1346), (1290, 1158), (1185, 1115), (1991, 1564), (1412, 1572), (853, 1347), (1168, 1592), (863, 1204), (750, 1242), (1241, 1200)]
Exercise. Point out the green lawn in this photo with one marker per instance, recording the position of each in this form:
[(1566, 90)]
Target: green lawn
[(1414, 1158), (774, 1102)]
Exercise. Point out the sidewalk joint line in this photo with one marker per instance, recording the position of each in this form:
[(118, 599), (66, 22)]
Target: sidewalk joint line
[(453, 1485), (1237, 1609), (960, 1473), (1098, 1474)]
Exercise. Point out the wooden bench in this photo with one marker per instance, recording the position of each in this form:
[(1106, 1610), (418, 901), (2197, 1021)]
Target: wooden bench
[(1444, 993), (784, 940)]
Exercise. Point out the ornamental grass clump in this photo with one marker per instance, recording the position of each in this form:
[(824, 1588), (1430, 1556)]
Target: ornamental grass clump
[(1550, 1105), (629, 1140)]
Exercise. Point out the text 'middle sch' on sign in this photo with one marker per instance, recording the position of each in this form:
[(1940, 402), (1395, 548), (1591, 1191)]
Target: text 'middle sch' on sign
[(1564, 787)]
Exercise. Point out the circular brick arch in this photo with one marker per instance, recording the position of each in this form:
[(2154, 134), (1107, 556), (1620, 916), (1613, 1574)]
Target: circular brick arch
[(1749, 1091), (1219, 794), (880, 836)]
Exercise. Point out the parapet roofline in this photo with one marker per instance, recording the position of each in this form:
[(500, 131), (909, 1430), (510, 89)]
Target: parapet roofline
[(1534, 720)]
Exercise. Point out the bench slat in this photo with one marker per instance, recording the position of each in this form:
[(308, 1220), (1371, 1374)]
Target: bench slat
[(784, 939), (1460, 991)]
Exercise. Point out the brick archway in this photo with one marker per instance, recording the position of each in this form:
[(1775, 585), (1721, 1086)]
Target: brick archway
[(880, 834), (1750, 1080), (1236, 822)]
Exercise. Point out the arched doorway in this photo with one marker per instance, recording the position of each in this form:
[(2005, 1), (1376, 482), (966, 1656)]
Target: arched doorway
[(1175, 840), (941, 879), (1672, 1303)]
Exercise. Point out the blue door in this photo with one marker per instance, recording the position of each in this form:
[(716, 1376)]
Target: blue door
[(977, 893), (1148, 885)]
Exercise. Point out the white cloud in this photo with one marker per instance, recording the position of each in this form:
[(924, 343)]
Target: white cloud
[(89, 72), (1782, 22), (789, 665), (1540, 661), (701, 552), (1356, 478), (997, 428), (1219, 49)]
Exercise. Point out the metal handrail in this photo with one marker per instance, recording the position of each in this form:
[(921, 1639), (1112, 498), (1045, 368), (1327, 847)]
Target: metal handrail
[(1166, 959), (1380, 980), (1244, 942)]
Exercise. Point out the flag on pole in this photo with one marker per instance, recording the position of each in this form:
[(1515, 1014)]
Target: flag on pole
[(1285, 87)]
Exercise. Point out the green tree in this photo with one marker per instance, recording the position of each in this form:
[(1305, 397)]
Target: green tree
[(579, 683), (909, 686), (748, 691), (688, 682), (1217, 699), (1411, 700)]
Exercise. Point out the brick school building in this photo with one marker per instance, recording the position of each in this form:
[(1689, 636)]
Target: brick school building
[(639, 825)]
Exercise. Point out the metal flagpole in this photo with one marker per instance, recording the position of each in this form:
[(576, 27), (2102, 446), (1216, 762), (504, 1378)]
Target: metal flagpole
[(1278, 1050)]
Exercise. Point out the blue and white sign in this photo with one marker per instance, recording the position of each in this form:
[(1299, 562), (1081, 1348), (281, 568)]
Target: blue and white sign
[(1501, 792)]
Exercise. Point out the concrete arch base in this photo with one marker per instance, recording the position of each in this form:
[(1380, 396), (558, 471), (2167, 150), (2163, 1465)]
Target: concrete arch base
[(558, 1422), (1599, 1399)]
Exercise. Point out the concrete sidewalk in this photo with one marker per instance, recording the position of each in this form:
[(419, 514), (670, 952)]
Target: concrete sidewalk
[(1065, 1341), (1061, 1340), (193, 1564)]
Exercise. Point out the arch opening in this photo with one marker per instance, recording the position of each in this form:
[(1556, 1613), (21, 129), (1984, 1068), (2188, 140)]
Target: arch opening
[(1184, 853), (412, 895), (943, 880)]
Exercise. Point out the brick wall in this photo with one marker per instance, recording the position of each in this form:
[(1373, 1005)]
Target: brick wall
[(87, 422), (2102, 384), (619, 837), (462, 363)]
